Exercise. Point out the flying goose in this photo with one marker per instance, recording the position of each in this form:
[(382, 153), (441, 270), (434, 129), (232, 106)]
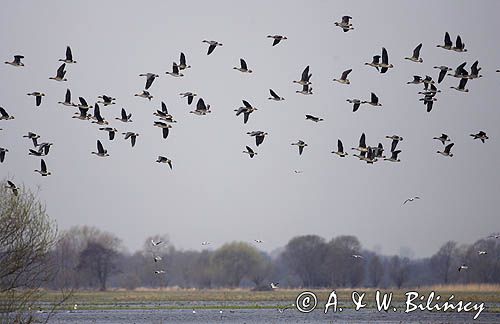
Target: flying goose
[(100, 150), (124, 117), (427, 81), (481, 135), (416, 55), (201, 108), (375, 62), (39, 152), (34, 137), (304, 79), (460, 72), (362, 144), (394, 156), (373, 100), (394, 137), (43, 169), (463, 267), (106, 100), (69, 56), (45, 147), (182, 62), (343, 78), (60, 74), (370, 157), (410, 199), (17, 61), (144, 94), (67, 99), (13, 187), (417, 79), (443, 138), (313, 118), (132, 137), (164, 127), (340, 149), (431, 91), (175, 71), (276, 39), (274, 285), (83, 104), (428, 101), (150, 77), (345, 24), (247, 109), (4, 115), (274, 96), (163, 114), (83, 114), (259, 136), (379, 150), (442, 72), (250, 152), (459, 46), (189, 95), (301, 144), (482, 252), (2, 154), (162, 159), (474, 71), (306, 90), (243, 67), (38, 96), (385, 61), (461, 85), (447, 42), (447, 150), (212, 46), (97, 116), (111, 132), (356, 103)]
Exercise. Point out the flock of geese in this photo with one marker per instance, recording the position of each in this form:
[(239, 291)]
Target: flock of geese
[(364, 152)]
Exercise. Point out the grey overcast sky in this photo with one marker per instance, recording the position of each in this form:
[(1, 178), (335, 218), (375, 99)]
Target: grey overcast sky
[(217, 193)]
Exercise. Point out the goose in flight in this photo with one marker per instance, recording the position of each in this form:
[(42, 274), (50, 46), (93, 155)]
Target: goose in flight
[(132, 137), (447, 42), (150, 77), (417, 79), (17, 61), (126, 118), (43, 169), (83, 103), (4, 115), (69, 56), (343, 78), (274, 96), (345, 24), (416, 55), (201, 108), (45, 147), (411, 199), (306, 90), (443, 138), (164, 127), (394, 156), (39, 152), (98, 117), (163, 114), (259, 136), (460, 72), (362, 144), (249, 151), (34, 137), (106, 100), (375, 62), (67, 99), (274, 285), (189, 95), (461, 85), (459, 46), (463, 267), (60, 74), (301, 144), (304, 79), (481, 135), (482, 252), (111, 132), (175, 71), (276, 39), (144, 94), (243, 67), (379, 150), (100, 150), (385, 61), (2, 154), (474, 71), (38, 97), (356, 103), (394, 137), (153, 243), (212, 45), (247, 109), (182, 62), (340, 149), (13, 187), (83, 114), (442, 72), (447, 150), (162, 159), (313, 118), (373, 100)]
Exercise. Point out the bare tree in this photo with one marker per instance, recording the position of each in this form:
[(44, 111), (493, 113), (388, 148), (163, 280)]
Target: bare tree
[(99, 261), (442, 261), (375, 270), (399, 270)]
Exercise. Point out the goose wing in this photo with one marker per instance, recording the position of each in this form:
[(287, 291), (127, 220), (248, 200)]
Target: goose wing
[(393, 145), (3, 112), (463, 82), (259, 139), (164, 107), (305, 74), (248, 105), (301, 149), (100, 148), (345, 74), (442, 74), (362, 139), (245, 117), (201, 105), (210, 49), (69, 55), (374, 98), (243, 64), (124, 114), (345, 19), (273, 94), (149, 80), (182, 59), (97, 113), (447, 40), (448, 147), (340, 146), (38, 100), (43, 166), (133, 139), (83, 101), (60, 71), (249, 150), (459, 43), (68, 96), (165, 132), (175, 68), (416, 51), (276, 41), (190, 99), (17, 58), (385, 56)]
